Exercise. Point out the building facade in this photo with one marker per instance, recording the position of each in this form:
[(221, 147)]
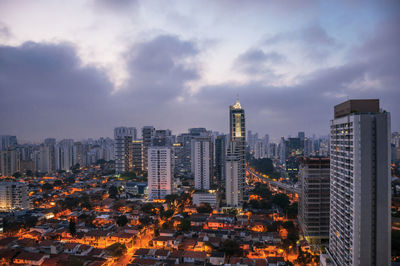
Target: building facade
[(220, 154), (123, 148), (160, 173), (314, 200), (201, 162), (13, 195), (360, 222), (238, 143), (147, 136), (9, 161)]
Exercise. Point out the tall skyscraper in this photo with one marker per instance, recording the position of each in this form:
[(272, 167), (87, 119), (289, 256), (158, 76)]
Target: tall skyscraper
[(123, 148), (147, 136), (160, 173), (314, 200), (360, 223), (237, 148), (201, 162), (220, 154)]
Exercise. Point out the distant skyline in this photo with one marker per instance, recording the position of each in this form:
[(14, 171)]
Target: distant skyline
[(78, 69)]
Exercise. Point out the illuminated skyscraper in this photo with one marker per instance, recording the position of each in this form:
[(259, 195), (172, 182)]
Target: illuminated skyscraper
[(236, 154)]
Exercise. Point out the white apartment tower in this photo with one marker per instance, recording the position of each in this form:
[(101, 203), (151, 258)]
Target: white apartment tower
[(159, 172), (201, 162), (360, 223), (13, 195)]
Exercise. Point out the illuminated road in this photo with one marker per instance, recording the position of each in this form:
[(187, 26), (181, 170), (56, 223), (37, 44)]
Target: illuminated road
[(280, 185)]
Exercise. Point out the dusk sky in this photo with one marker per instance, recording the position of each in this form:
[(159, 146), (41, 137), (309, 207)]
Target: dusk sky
[(77, 69)]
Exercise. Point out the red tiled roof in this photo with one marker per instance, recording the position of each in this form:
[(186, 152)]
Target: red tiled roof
[(140, 261), (194, 254), (30, 256)]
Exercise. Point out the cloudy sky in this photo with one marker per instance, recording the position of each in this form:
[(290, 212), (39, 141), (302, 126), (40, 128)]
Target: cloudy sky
[(80, 68)]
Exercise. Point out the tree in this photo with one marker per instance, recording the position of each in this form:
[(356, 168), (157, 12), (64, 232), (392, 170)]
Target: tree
[(29, 173), (184, 226), (292, 210), (71, 203), (30, 221), (167, 214), (281, 200), (122, 220), (262, 190), (72, 227), (113, 192), (145, 220), (148, 208), (47, 186), (231, 248), (17, 175), (205, 208), (116, 250)]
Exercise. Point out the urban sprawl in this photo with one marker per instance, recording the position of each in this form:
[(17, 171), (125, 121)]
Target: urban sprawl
[(148, 197)]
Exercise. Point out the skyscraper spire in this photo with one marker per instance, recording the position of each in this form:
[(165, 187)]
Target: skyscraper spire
[(237, 104)]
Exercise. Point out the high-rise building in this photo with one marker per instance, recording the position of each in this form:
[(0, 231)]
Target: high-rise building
[(9, 161), (162, 137), (80, 153), (123, 148), (314, 200), (13, 195), (238, 138), (301, 135), (64, 154), (137, 155), (147, 136), (160, 170), (232, 171), (201, 162), (220, 153), (47, 158), (267, 153), (360, 197), (259, 149), (282, 150), (308, 147), (8, 141)]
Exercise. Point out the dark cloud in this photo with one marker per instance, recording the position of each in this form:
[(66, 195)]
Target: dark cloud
[(314, 41), (256, 61), (44, 91), (160, 68)]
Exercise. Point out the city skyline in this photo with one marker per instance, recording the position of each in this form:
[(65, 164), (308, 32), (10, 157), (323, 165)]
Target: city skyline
[(176, 66)]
